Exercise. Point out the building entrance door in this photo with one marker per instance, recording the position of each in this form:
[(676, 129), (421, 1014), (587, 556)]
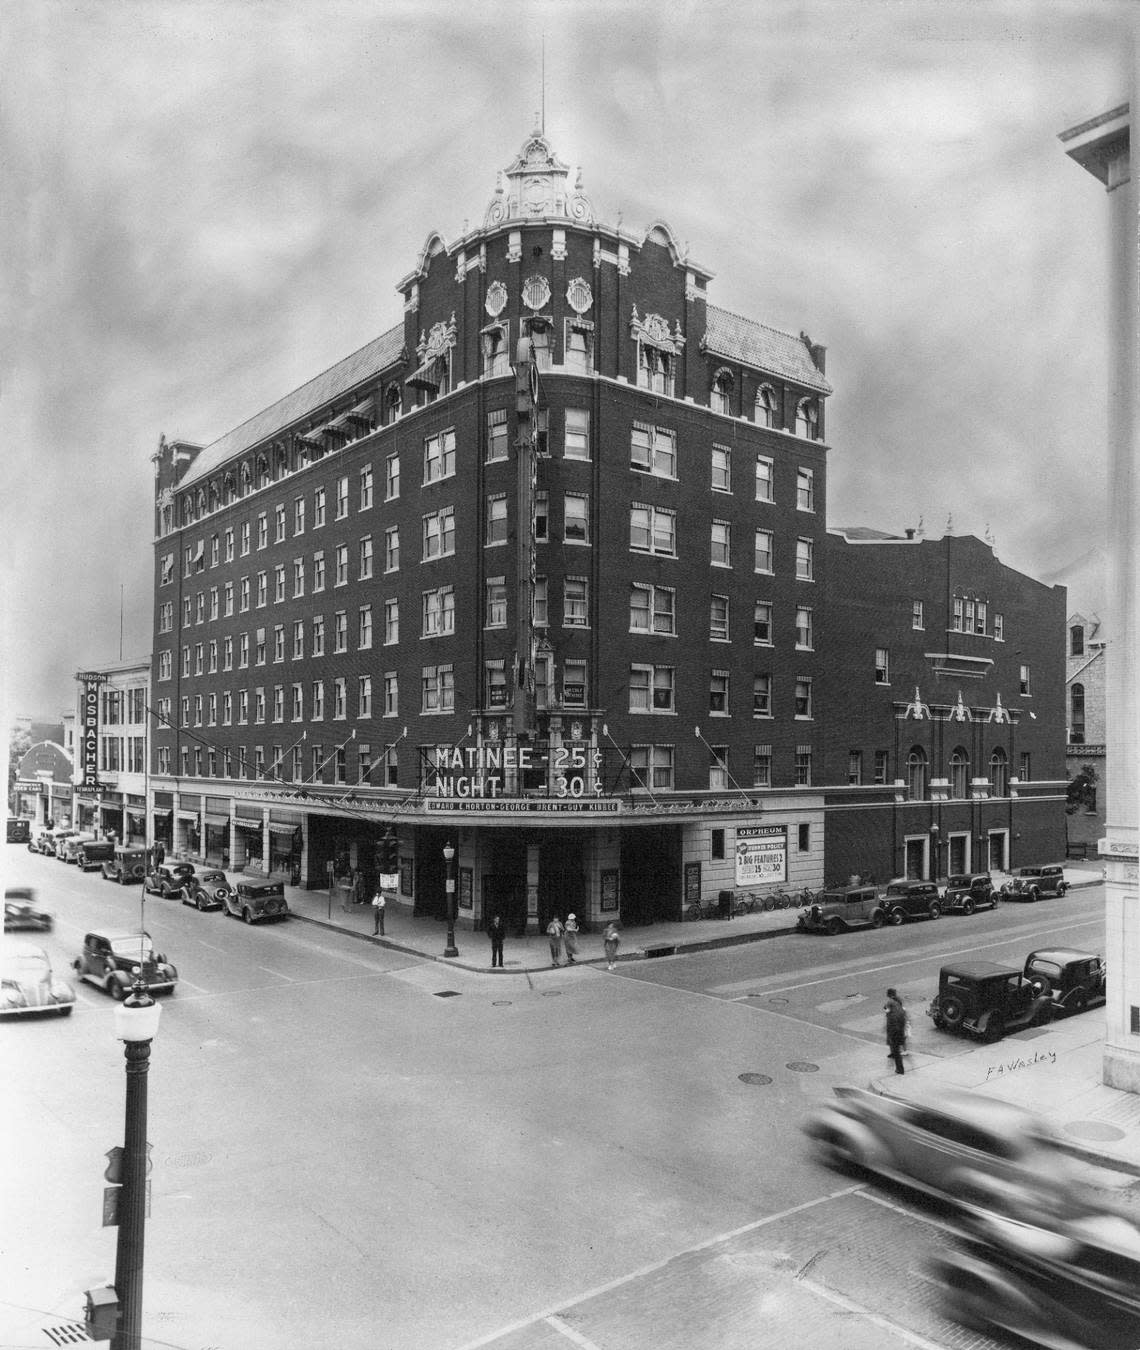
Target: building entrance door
[(561, 880), (959, 846), (916, 858), (998, 856)]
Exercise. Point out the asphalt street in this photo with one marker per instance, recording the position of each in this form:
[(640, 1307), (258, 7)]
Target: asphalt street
[(358, 1148)]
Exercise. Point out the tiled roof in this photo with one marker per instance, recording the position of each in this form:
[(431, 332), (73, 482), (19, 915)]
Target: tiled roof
[(764, 348), (865, 534), (346, 375)]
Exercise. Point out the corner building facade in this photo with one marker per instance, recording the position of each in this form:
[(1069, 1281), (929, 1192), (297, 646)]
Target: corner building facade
[(536, 573)]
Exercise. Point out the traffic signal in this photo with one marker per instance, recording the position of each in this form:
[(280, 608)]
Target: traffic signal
[(391, 853)]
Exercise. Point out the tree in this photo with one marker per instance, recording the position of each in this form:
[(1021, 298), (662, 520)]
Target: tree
[(1081, 795)]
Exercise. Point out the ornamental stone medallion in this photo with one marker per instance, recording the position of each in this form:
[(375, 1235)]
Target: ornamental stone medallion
[(579, 296), (536, 292), (496, 300)]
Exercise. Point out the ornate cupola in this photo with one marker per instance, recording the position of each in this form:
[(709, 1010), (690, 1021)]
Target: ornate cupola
[(538, 186)]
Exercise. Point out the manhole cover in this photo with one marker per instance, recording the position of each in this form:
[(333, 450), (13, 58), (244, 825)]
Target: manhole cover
[(448, 993), (756, 1079), (1094, 1129), (501, 1003), (802, 1066), (198, 1159), (551, 993)]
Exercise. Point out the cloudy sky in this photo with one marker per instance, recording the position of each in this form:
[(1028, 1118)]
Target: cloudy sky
[(206, 204)]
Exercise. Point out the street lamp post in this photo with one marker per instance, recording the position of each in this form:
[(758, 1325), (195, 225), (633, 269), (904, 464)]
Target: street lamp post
[(934, 832), (136, 1022), (449, 859)]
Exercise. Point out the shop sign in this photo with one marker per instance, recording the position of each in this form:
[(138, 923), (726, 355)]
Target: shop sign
[(89, 728), (761, 855)]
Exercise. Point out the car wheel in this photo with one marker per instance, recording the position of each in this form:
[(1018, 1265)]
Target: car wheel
[(897, 917), (995, 1027), (117, 990), (1045, 1014), (834, 926), (201, 904), (834, 1153), (65, 1011), (247, 915), (1034, 894), (878, 919), (967, 907), (1079, 1002), (935, 910), (952, 1010)]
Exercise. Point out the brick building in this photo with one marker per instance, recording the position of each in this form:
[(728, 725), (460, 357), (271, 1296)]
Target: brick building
[(540, 572), (111, 721)]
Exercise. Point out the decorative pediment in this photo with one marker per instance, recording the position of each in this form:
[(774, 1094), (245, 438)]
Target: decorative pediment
[(916, 708), (537, 185), (998, 713), (654, 331), (438, 341), (959, 712)]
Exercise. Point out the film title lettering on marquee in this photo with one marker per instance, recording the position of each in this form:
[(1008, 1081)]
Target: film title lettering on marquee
[(761, 854), (89, 727)]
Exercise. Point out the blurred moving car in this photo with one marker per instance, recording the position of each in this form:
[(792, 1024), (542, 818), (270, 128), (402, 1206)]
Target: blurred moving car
[(254, 901), (167, 879), (28, 984), (20, 911), (987, 1000), (1033, 883), (1073, 1285), (958, 1145), (207, 890), (966, 892), (1074, 980), (126, 865), (114, 960)]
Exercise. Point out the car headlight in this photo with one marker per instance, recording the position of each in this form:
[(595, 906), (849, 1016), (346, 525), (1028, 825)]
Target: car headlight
[(136, 970)]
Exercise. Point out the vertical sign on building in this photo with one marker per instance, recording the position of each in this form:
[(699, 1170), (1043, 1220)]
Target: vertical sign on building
[(89, 680), (526, 465)]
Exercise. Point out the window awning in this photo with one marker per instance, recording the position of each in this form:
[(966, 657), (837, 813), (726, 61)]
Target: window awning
[(426, 376), (314, 435)]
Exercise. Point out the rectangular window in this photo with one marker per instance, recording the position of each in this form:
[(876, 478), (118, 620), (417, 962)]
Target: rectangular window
[(652, 609), (200, 607), (245, 537), (262, 530), (244, 594), (227, 653), (298, 577), (391, 622), (340, 631), (718, 768), (882, 665), (805, 564), (279, 642), (166, 570), (495, 684), (576, 518), (262, 589), (318, 635), (651, 766), (575, 603), (438, 686), (653, 530), (364, 627), (391, 478), (1025, 768), (541, 609), (764, 480), (721, 544), (541, 516), (1023, 681), (298, 515), (243, 705), (366, 558), (762, 623), (495, 610), (762, 695), (439, 612), (243, 651), (228, 600), (187, 611), (298, 639), (653, 450), (718, 693), (228, 545), (439, 533), (199, 663), (574, 684), (803, 837), (340, 698), (651, 689), (576, 438), (882, 766), (805, 490), (364, 697), (213, 602), (957, 614), (803, 766), (259, 648), (980, 617), (439, 456), (804, 633), (166, 616), (803, 697), (496, 349), (318, 508), (197, 716), (654, 369), (855, 767), (279, 703), (392, 549), (318, 700), (721, 468), (185, 661), (298, 703), (497, 443), (212, 656), (718, 618), (496, 526), (917, 618), (999, 628), (227, 708), (391, 694), (762, 766), (763, 551), (366, 487), (279, 583), (279, 522), (577, 348), (341, 565)]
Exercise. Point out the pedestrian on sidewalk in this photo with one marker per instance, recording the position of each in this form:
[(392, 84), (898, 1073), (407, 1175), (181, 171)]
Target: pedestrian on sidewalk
[(610, 940), (896, 1029), (555, 932), (496, 930), (571, 939), (378, 906)]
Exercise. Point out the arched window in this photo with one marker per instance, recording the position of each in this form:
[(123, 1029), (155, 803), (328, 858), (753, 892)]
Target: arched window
[(187, 509), (1077, 640), (262, 471), (720, 396), (807, 419), (1077, 714), (999, 773), (765, 413), (959, 773), (200, 501), (393, 403), (917, 776), (246, 477), (229, 488)]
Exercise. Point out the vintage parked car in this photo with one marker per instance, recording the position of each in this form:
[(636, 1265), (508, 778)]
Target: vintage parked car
[(68, 852), (254, 900), (53, 842), (93, 853), (127, 865), (167, 879), (19, 830), (967, 891), (1074, 980), (28, 984), (114, 960), (21, 912), (912, 900), (987, 1000), (1053, 1285), (953, 1144), (1032, 883), (207, 890), (842, 907)]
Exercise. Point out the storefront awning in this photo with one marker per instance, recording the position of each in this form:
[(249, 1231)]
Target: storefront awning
[(220, 821)]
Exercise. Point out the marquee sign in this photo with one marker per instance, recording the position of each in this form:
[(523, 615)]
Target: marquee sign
[(485, 772), (89, 728)]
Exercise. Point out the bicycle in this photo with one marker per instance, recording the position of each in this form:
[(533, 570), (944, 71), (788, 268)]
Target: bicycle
[(745, 903), (693, 911)]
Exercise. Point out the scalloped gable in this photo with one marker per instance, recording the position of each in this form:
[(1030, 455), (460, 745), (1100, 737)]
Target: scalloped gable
[(379, 354), (766, 349)]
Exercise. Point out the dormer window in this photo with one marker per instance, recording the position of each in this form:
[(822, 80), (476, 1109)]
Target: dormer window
[(720, 396), (654, 369), (765, 413), (393, 403), (807, 419)]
